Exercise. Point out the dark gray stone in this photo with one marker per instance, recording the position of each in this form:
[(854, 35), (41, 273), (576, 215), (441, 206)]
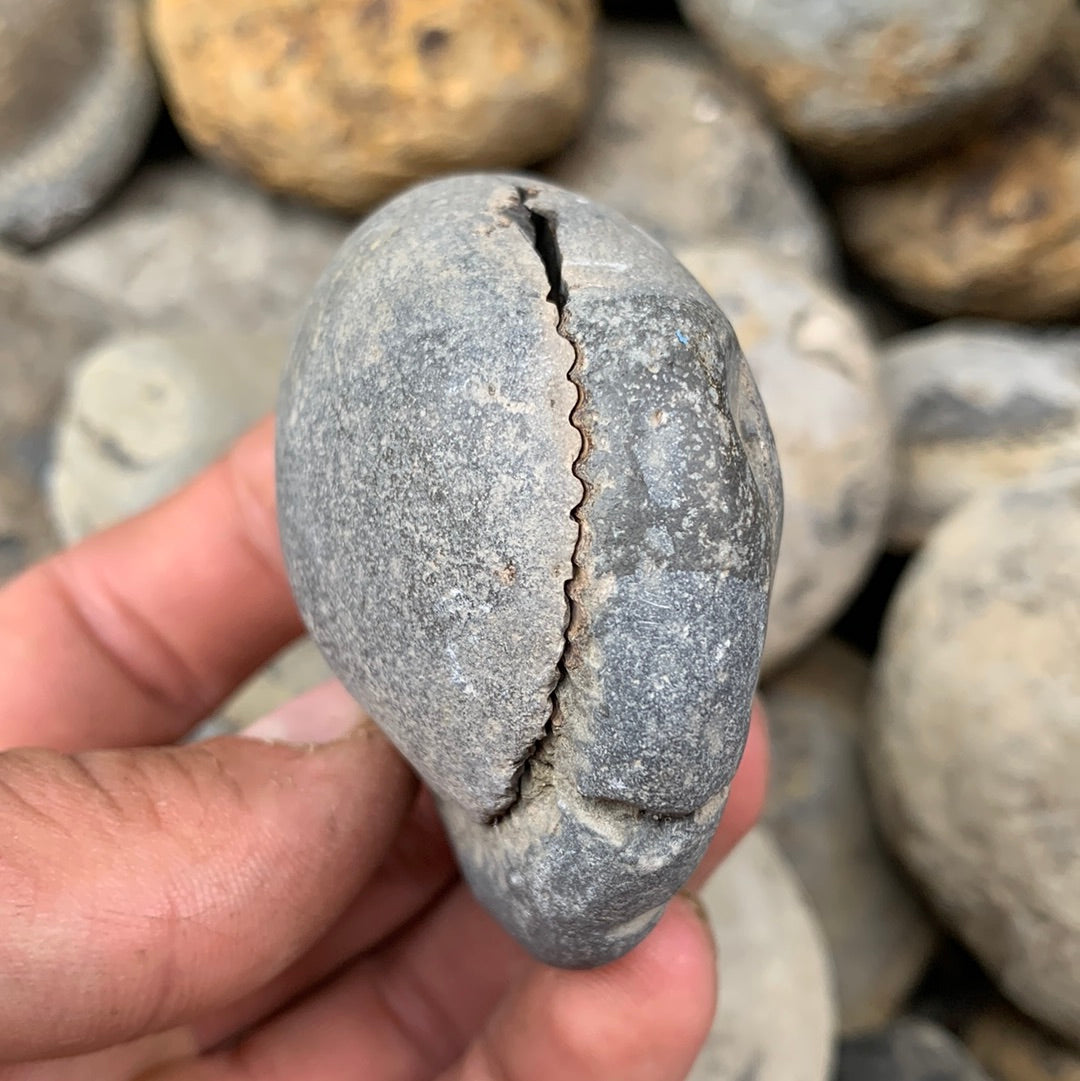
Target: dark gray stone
[(819, 377), (77, 101), (909, 1050), (530, 507)]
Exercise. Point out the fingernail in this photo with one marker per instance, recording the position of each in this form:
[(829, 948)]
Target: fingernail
[(322, 715)]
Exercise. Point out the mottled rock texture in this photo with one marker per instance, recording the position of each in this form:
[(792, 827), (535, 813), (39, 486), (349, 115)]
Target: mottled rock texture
[(818, 373), (910, 1050), (144, 413), (189, 248), (776, 1018), (675, 143), (530, 504), (880, 935), (870, 83), (992, 227), (345, 103), (45, 326), (974, 745), (975, 406), (77, 101), (1013, 1048)]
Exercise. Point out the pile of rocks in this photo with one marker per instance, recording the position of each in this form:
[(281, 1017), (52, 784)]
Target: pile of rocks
[(863, 188)]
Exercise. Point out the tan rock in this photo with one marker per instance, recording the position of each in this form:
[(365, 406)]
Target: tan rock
[(974, 741), (345, 102), (993, 227), (817, 371), (975, 406), (873, 83), (879, 932), (1012, 1048), (776, 1015), (675, 143), (145, 412)]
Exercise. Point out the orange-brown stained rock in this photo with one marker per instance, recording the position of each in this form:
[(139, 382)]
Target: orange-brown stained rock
[(345, 101), (871, 84), (993, 227), (1012, 1048)]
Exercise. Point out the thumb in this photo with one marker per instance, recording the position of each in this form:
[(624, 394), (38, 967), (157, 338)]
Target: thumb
[(141, 887)]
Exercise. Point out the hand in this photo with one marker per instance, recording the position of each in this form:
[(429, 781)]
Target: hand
[(245, 910)]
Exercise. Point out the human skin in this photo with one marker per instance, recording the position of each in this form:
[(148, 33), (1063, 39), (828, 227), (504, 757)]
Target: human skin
[(281, 904)]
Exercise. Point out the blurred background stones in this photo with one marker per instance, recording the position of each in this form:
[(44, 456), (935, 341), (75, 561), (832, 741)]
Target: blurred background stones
[(974, 739), (1013, 1048), (874, 84), (144, 413), (776, 1020), (680, 148), (45, 325), (909, 1050), (880, 935), (975, 406), (989, 227), (77, 100), (188, 247), (884, 198)]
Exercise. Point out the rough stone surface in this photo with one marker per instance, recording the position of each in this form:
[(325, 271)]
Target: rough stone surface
[(974, 745), (77, 101), (776, 1017), (874, 82), (189, 248), (1012, 1048), (910, 1050), (818, 373), (530, 504), (44, 327), (992, 228), (975, 406), (346, 103), (879, 933), (144, 413), (676, 145)]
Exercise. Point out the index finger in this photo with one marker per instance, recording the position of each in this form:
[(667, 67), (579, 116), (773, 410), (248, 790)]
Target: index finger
[(137, 633)]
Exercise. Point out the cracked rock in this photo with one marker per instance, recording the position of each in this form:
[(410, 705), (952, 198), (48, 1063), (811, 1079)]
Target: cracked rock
[(530, 507), (806, 345)]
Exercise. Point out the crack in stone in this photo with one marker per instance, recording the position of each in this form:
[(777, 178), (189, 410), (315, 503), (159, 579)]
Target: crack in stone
[(542, 233)]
